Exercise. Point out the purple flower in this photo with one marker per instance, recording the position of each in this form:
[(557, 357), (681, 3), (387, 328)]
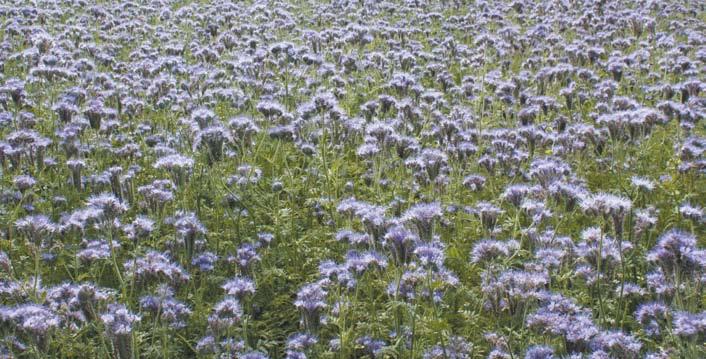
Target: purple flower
[(265, 238), (155, 266), (667, 353), (354, 238), (474, 182), (454, 348), (214, 137), (311, 300), (658, 283), (111, 206), (539, 352), (515, 194), (552, 257), (359, 262), (140, 228), (205, 261), (178, 166), (239, 287), (511, 290), (617, 344), (188, 227), (372, 216), (488, 214), (245, 257), (568, 194), (548, 170), (430, 255), (270, 109), (645, 219), (642, 183), (694, 213), (226, 314), (293, 354), (169, 309), (33, 319), (118, 320), (401, 242), (429, 164), (488, 250), (301, 341), (207, 345), (652, 317), (119, 324), (676, 251), (563, 317), (367, 150), (423, 216), (35, 227), (597, 244), (253, 355), (203, 117), (187, 224), (23, 182), (96, 250), (371, 347), (331, 271), (83, 219), (610, 206), (690, 325), (630, 289)]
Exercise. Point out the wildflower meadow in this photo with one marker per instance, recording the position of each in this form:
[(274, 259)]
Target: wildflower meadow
[(380, 179)]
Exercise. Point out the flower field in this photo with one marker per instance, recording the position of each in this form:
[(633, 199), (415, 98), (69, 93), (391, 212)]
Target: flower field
[(337, 179)]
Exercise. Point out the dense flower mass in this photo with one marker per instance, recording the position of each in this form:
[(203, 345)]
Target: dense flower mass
[(423, 179)]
